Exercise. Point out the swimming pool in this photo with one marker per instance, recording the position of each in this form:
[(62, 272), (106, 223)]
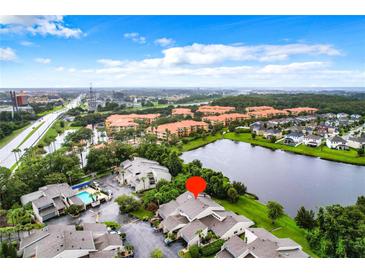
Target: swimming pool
[(85, 197)]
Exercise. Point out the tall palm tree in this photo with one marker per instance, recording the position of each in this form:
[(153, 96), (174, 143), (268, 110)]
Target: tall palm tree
[(16, 151)]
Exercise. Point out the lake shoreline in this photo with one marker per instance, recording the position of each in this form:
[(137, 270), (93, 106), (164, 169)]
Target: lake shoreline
[(275, 175), (198, 143)]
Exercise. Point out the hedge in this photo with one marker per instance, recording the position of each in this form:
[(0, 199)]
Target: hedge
[(211, 248)]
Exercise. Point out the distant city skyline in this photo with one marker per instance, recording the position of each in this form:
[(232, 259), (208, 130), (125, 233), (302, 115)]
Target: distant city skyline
[(182, 51)]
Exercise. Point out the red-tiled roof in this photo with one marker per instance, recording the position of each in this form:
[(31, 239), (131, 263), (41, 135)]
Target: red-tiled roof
[(174, 127), (229, 116), (215, 109), (126, 120), (258, 108), (182, 111)]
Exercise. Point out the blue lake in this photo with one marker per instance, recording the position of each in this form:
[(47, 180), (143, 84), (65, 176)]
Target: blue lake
[(292, 180)]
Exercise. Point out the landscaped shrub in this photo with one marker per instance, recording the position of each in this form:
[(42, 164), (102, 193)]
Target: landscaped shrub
[(211, 248), (194, 251), (112, 225), (242, 130), (74, 210)]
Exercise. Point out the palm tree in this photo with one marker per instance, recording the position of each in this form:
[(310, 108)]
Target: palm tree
[(79, 149), (144, 182), (122, 172), (16, 151)]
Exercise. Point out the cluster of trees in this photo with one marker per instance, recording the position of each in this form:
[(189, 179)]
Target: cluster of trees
[(325, 102), (162, 154), (337, 231), (79, 135), (103, 158), (39, 108), (36, 171), (8, 250), (8, 123), (111, 106), (75, 111), (198, 97), (127, 203), (217, 185), (89, 119)]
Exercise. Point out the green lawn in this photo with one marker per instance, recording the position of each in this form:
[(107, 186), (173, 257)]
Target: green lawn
[(31, 133), (141, 213), (323, 151), (4, 141), (41, 114), (201, 142), (257, 212), (52, 133)]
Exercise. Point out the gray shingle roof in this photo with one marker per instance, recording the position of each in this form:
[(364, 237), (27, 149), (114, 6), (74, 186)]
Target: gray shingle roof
[(56, 243), (171, 222), (166, 209), (30, 197), (266, 245), (43, 201), (76, 200), (95, 227), (224, 254), (103, 254), (56, 190), (313, 137), (107, 240), (189, 231), (219, 227), (337, 139)]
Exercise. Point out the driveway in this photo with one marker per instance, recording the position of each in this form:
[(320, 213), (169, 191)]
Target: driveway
[(139, 234), (144, 239)]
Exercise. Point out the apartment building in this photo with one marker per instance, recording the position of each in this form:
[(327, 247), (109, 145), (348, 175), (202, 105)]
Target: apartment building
[(117, 122), (179, 129), (182, 111), (267, 113), (212, 110), (225, 119), (301, 110)]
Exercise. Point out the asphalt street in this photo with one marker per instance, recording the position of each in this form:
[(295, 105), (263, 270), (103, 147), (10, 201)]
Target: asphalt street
[(8, 158)]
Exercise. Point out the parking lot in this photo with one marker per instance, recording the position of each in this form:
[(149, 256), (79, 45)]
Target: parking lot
[(139, 234)]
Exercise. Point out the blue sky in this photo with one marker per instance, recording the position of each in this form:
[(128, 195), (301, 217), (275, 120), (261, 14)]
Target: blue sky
[(186, 51)]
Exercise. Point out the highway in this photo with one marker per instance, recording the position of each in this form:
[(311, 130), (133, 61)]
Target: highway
[(7, 157)]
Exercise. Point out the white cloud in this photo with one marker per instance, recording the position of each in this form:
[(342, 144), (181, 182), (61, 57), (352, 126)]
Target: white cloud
[(27, 43), (43, 61), (200, 54), (7, 54), (42, 25), (164, 42), (71, 70), (135, 37), (110, 62), (59, 69), (293, 67)]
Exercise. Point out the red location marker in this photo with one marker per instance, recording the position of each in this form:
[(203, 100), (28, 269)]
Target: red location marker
[(196, 184)]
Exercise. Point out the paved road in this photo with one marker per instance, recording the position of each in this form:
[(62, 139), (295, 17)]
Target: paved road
[(7, 157)]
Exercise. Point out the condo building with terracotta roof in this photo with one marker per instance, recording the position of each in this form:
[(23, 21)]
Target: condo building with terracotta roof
[(182, 111), (179, 129), (211, 110), (259, 108), (300, 110), (117, 122), (225, 119), (267, 113)]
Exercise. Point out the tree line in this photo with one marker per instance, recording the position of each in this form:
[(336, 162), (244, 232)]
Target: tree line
[(352, 104)]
